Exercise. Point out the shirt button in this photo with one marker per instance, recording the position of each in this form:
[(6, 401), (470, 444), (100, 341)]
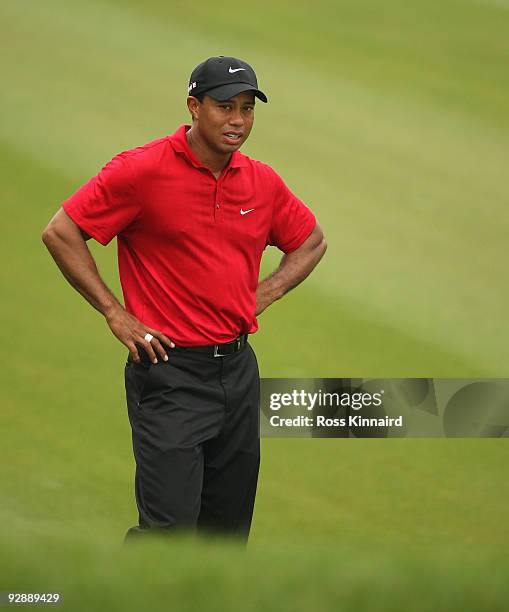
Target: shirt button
[(218, 205)]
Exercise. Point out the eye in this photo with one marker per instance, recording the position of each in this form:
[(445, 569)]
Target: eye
[(226, 106)]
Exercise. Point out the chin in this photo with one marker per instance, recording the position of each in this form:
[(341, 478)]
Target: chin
[(226, 148)]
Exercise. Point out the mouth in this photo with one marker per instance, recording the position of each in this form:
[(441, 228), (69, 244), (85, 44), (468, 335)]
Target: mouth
[(233, 136)]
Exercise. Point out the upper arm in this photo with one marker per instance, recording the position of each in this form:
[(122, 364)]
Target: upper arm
[(315, 239), (62, 225)]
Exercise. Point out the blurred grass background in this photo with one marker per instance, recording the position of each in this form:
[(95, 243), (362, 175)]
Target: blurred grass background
[(390, 120)]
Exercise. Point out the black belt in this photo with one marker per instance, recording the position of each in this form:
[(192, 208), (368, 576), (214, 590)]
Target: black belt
[(216, 350)]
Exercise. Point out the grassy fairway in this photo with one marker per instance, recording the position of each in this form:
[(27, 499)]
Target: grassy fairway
[(390, 120)]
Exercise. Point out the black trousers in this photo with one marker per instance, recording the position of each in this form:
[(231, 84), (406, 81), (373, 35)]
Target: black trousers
[(196, 441)]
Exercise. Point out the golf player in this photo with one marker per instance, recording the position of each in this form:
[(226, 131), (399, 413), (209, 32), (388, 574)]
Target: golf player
[(192, 216)]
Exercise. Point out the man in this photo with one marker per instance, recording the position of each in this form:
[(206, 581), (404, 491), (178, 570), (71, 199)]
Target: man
[(192, 216)]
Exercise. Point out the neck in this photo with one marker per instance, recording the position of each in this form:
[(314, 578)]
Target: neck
[(213, 160)]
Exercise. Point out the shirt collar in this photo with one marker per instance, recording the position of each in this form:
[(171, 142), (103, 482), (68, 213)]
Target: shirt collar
[(179, 142)]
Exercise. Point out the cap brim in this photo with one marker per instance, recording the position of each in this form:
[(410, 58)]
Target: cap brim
[(225, 92)]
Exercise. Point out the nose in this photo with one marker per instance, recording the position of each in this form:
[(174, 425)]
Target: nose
[(236, 118)]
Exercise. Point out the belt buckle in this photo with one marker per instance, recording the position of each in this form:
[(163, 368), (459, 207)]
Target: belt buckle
[(238, 346), (217, 353)]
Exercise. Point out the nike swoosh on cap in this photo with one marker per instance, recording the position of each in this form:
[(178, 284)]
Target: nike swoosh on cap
[(232, 70)]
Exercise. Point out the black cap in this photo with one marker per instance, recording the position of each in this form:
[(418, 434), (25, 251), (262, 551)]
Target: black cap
[(222, 78)]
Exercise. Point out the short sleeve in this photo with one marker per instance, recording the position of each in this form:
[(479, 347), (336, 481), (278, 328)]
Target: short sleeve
[(292, 220), (106, 204)]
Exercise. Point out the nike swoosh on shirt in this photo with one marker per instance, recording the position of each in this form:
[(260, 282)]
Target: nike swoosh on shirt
[(244, 212), (232, 70)]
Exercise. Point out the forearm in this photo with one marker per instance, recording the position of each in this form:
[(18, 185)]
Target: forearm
[(292, 270), (76, 263)]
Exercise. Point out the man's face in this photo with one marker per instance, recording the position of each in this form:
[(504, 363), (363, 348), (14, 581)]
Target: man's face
[(225, 126)]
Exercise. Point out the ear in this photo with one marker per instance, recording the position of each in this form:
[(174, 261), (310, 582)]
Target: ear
[(193, 104)]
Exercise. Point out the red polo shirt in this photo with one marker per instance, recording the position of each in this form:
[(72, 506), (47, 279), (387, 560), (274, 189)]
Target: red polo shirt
[(189, 246)]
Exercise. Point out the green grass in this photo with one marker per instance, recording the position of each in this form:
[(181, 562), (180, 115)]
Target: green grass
[(189, 576), (179, 578), (413, 532), (390, 120)]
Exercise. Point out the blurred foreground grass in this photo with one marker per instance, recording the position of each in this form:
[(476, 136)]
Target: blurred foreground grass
[(92, 574), (389, 525)]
